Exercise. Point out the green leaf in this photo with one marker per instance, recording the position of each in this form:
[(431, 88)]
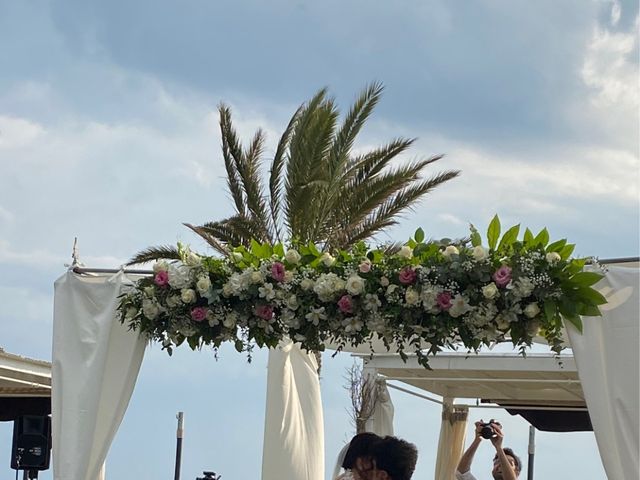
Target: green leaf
[(557, 246), (575, 320), (528, 238), (549, 309), (509, 237), (566, 251), (542, 238), (493, 232), (419, 235), (419, 249), (591, 295), (193, 342), (589, 311), (313, 249), (476, 239), (586, 279), (278, 249)]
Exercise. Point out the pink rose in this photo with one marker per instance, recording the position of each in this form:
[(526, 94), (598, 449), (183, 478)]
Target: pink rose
[(502, 276), (345, 304), (264, 311), (444, 301), (407, 276), (365, 266), (198, 314), (162, 278), (278, 271)]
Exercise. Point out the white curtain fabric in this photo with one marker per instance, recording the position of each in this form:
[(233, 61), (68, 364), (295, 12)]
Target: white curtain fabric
[(294, 430), (381, 420), (451, 443), (95, 364), (607, 359)]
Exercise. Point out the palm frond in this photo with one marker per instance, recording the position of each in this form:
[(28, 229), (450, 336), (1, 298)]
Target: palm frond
[(211, 240), (151, 254), (231, 153), (275, 175)]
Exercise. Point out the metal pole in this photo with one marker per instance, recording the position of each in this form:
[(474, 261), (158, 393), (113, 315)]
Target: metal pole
[(179, 435), (532, 451)]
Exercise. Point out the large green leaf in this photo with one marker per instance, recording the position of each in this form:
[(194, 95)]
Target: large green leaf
[(509, 237), (493, 232), (586, 279)]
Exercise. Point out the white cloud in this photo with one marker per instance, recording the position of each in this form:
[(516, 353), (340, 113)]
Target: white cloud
[(33, 258), (17, 133), (6, 215)]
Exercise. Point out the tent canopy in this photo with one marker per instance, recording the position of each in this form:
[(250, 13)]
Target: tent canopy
[(25, 386)]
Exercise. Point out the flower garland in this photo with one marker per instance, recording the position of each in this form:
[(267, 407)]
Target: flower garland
[(438, 294)]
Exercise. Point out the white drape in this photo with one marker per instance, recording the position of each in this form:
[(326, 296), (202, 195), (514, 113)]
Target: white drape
[(95, 365), (381, 420), (294, 431), (451, 443), (607, 359)]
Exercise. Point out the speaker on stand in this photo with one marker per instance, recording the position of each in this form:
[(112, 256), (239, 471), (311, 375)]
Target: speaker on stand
[(31, 448)]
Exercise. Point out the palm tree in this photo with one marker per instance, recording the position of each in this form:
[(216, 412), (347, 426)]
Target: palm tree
[(318, 190)]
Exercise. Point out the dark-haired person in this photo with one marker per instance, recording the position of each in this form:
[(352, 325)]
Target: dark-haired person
[(506, 464), (394, 459), (359, 456)]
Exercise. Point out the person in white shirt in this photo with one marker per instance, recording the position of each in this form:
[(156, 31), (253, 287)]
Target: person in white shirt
[(506, 464)]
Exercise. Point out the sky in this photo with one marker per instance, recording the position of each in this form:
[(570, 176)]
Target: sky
[(108, 133)]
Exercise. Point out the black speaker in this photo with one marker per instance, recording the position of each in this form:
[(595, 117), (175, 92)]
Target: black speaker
[(31, 448)]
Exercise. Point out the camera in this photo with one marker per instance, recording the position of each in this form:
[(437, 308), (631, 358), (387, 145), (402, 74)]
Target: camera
[(209, 476), (486, 430)]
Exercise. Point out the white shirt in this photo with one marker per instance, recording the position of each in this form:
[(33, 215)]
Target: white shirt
[(465, 476)]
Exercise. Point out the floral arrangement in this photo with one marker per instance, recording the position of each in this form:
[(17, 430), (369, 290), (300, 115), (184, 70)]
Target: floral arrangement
[(421, 297)]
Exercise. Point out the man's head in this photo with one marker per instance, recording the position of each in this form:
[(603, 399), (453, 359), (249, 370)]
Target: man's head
[(394, 459), (361, 447), (514, 461)]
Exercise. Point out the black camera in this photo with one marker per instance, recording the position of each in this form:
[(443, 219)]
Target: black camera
[(209, 476), (486, 430)]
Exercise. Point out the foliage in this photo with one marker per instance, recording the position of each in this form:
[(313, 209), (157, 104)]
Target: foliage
[(318, 190), (423, 297)]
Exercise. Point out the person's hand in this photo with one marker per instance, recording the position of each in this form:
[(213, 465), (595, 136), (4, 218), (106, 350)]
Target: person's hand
[(496, 440), (478, 425)]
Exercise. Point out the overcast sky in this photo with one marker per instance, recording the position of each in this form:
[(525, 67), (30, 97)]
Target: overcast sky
[(108, 133)]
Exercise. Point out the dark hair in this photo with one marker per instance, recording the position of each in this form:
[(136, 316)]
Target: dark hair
[(511, 453), (361, 445), (396, 457)]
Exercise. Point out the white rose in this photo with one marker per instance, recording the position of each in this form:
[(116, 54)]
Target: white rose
[(411, 296), (150, 309), (288, 276), (553, 257), (149, 291), (173, 301), (532, 310), (459, 306), (327, 259), (490, 291), (130, 313), (355, 285), (203, 284), (306, 284), (160, 266), (188, 295), (230, 320), (257, 277), (236, 256), (292, 256), (391, 289), (450, 250), (480, 253), (384, 281), (406, 252), (502, 322)]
